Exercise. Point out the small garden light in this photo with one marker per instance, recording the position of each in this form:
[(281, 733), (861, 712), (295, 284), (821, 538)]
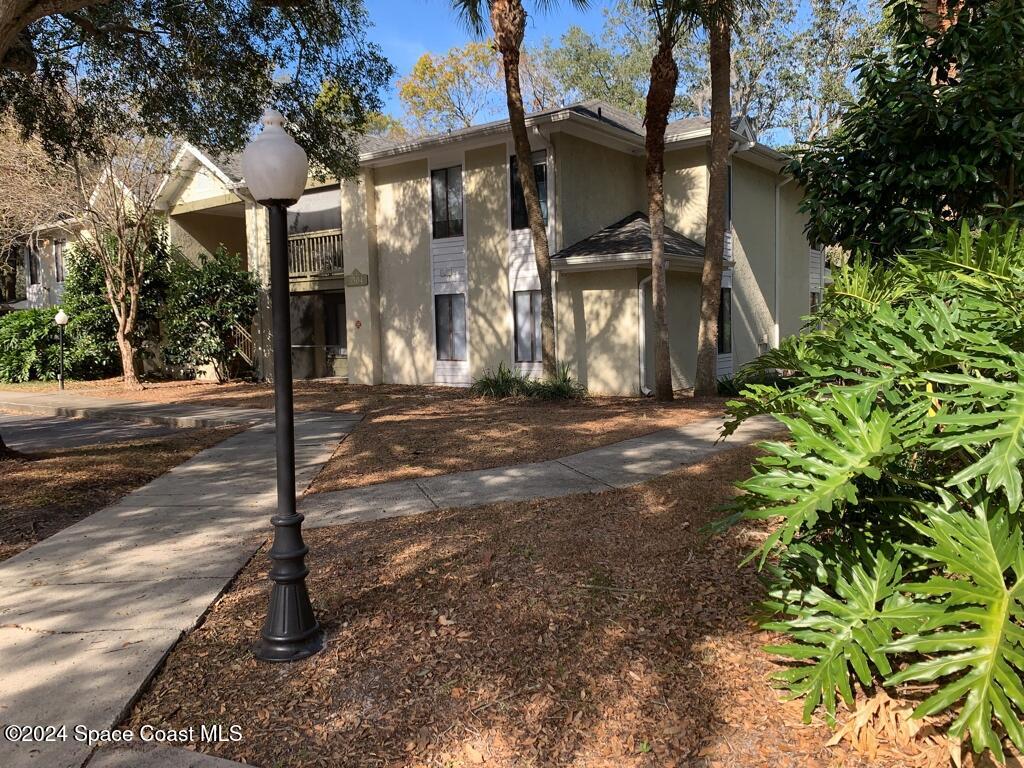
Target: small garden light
[(275, 170), (61, 319)]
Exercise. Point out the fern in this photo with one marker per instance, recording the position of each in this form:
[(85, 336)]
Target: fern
[(972, 634), (839, 633)]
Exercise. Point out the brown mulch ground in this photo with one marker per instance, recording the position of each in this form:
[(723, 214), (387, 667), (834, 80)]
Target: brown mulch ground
[(411, 432), (46, 491), (592, 630)]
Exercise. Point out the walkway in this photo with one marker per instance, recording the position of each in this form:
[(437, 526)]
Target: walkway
[(88, 615), (70, 403), (618, 465)]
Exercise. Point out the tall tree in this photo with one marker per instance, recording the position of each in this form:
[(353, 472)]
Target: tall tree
[(670, 18), (35, 191), (717, 16), (123, 228), (451, 90), (508, 23), (934, 137), (69, 70)]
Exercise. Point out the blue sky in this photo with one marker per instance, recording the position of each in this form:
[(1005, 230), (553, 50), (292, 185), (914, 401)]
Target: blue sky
[(406, 29)]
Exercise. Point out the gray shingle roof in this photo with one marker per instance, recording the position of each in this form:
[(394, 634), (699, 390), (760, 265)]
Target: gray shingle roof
[(631, 235)]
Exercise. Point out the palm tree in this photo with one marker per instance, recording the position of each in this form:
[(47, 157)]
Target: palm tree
[(508, 23), (671, 18), (718, 17)]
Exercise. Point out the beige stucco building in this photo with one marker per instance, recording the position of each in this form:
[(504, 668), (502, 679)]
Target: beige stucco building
[(421, 270), (442, 282)]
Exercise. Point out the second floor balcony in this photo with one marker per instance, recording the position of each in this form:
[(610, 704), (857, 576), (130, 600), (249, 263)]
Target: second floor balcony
[(315, 254)]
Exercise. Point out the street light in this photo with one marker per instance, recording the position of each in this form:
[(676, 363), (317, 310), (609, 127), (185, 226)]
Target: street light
[(61, 319), (275, 170)]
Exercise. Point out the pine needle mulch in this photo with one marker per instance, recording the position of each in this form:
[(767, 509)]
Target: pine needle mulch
[(43, 492), (592, 630)]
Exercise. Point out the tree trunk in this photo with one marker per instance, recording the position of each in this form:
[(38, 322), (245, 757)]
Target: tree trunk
[(714, 239), (127, 350), (508, 21), (660, 95)]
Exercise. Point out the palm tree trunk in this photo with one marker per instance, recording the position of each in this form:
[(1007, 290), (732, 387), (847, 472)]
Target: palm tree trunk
[(719, 33), (508, 20), (660, 95)]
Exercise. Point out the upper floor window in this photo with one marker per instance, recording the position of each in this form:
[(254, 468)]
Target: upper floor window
[(446, 201), (58, 259), (520, 219)]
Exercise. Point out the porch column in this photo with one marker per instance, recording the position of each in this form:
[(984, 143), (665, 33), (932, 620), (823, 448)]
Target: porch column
[(257, 238), (362, 288)]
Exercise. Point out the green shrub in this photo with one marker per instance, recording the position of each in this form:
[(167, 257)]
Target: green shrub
[(203, 308), (92, 348), (29, 345), (509, 382), (897, 554)]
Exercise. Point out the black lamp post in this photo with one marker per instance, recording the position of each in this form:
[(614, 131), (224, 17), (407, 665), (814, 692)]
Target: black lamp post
[(275, 170), (61, 319)]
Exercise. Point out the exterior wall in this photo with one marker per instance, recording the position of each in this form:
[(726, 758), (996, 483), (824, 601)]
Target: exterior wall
[(686, 192), (201, 185), (753, 281), (597, 186), (403, 266), (47, 291), (597, 322), (489, 300), (794, 282), (362, 302), (199, 232), (683, 324)]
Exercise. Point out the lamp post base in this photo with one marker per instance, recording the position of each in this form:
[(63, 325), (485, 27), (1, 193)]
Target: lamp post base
[(289, 650)]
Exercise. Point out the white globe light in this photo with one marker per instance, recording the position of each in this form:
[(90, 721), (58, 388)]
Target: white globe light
[(61, 318), (274, 166)]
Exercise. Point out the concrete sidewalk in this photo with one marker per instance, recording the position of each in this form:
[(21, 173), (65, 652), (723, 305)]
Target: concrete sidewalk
[(71, 404), (88, 615), (618, 465)]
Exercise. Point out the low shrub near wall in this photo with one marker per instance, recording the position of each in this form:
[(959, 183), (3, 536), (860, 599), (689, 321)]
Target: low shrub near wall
[(29, 345), (508, 382)]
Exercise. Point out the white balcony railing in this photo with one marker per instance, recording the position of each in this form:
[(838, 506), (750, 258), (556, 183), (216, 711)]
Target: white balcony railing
[(315, 254)]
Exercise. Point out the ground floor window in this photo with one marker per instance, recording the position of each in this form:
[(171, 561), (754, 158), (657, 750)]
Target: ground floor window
[(58, 259), (527, 322), (815, 300), (450, 320), (34, 266), (725, 322)]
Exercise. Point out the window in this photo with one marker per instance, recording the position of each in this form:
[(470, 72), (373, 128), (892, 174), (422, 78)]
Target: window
[(527, 321), (520, 220), (815, 300), (33, 266), (58, 259), (446, 201), (725, 323), (450, 320)]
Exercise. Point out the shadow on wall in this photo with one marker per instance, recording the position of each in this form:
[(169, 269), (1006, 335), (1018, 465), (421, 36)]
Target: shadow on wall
[(403, 264)]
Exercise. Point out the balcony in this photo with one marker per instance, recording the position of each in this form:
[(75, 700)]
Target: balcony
[(315, 254)]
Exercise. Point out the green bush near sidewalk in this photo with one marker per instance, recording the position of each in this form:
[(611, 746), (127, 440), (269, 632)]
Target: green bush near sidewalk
[(895, 554), (508, 382), (29, 346)]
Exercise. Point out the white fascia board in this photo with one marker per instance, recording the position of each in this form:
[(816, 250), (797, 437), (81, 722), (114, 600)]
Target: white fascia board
[(623, 260)]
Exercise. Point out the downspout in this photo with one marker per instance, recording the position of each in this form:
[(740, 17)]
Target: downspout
[(642, 334), (777, 328)]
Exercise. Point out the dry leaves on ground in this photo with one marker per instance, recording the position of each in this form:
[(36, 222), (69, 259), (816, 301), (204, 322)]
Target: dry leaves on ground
[(410, 432), (46, 491), (592, 630)]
